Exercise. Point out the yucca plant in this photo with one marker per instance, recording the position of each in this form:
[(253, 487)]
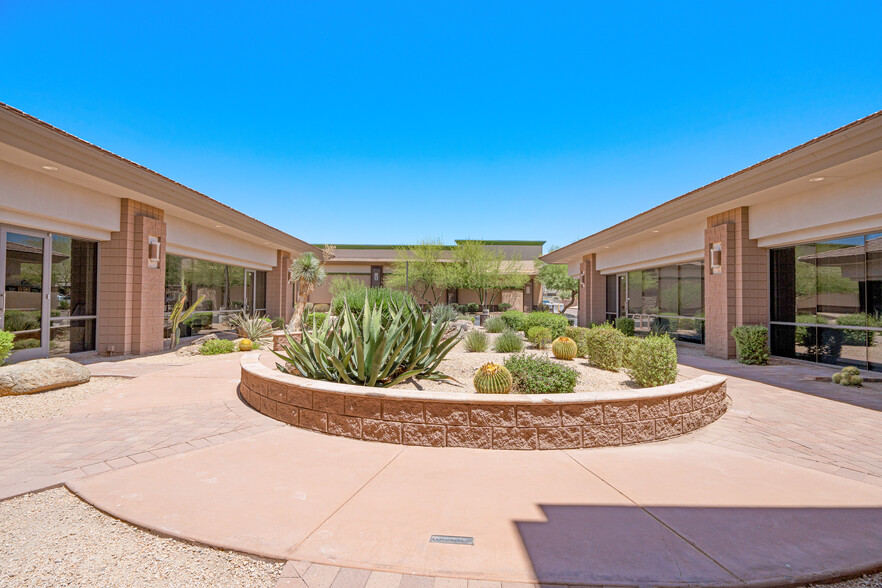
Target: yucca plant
[(371, 351), (179, 315), (252, 326)]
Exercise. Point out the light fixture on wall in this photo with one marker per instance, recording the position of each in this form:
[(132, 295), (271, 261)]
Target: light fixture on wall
[(818, 179), (716, 258), (49, 167), (153, 252)]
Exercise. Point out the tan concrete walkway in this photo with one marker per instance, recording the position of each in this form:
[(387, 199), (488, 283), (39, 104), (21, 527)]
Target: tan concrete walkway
[(784, 488)]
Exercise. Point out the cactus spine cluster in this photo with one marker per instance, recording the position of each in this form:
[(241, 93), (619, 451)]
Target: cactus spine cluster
[(849, 376), (245, 345), (564, 348), (492, 378)]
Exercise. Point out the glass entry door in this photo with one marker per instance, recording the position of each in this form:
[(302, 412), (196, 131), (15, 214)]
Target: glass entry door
[(24, 302), (249, 291), (623, 294)]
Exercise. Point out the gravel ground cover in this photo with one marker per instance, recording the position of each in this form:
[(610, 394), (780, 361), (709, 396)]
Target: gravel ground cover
[(54, 539), (462, 365), (52, 403), (868, 581)]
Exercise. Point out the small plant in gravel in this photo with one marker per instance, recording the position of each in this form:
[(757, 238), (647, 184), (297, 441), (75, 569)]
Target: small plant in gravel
[(606, 346), (492, 378), (475, 341), (849, 376), (564, 348), (539, 336), (533, 374), (495, 324), (445, 313), (5, 345), (654, 361), (252, 326), (508, 342), (626, 325), (217, 347), (514, 319), (557, 323)]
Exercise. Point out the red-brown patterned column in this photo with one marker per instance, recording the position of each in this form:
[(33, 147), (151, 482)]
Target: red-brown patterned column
[(592, 293), (279, 293)]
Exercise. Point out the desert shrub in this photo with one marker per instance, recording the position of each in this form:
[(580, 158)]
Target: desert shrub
[(533, 374), (341, 285), (806, 335), (539, 336), (580, 336), (475, 341), (200, 320), (473, 307), (629, 351), (217, 346), (5, 345), (626, 325), (495, 324), (606, 346), (445, 312), (655, 361), (660, 325), (278, 323), (508, 342), (514, 319), (374, 297), (504, 306), (858, 319), (251, 326), (556, 323), (462, 308), (25, 344), (752, 344), (21, 320), (315, 320)]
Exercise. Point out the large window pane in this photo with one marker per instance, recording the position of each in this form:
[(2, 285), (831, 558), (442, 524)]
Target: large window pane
[(611, 299), (260, 292), (668, 290), (71, 336), (23, 290), (635, 292), (806, 284), (873, 299), (650, 291), (691, 289), (74, 277)]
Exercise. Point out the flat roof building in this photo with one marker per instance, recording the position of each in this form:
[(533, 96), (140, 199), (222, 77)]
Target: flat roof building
[(791, 243)]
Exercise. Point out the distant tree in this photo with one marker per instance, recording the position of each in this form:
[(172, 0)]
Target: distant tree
[(554, 276), (421, 268), (485, 270)]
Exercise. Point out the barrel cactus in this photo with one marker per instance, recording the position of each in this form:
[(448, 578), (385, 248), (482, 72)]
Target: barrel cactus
[(564, 348), (245, 345), (493, 378), (849, 376)]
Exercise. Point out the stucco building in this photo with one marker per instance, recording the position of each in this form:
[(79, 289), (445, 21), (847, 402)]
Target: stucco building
[(793, 242)]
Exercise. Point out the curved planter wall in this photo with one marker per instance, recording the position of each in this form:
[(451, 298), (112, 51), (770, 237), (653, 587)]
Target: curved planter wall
[(510, 421)]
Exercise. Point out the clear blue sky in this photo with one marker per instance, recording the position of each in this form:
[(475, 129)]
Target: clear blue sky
[(392, 122)]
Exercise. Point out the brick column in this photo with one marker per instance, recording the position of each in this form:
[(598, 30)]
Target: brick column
[(736, 293), (592, 293), (279, 294), (131, 288)]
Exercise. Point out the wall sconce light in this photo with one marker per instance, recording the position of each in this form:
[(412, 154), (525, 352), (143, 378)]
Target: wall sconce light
[(153, 251), (716, 258)]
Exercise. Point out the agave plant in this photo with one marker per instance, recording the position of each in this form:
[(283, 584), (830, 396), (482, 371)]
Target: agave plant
[(252, 326), (371, 351)]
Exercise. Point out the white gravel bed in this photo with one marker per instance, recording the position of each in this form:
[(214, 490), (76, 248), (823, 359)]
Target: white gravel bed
[(869, 581), (462, 365), (53, 402), (54, 539)]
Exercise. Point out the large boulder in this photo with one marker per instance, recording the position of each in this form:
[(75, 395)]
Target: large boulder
[(39, 375)]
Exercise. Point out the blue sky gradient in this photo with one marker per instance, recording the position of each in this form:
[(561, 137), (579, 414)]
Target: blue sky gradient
[(392, 122)]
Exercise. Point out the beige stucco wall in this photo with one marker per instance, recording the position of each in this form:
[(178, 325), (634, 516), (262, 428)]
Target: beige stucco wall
[(193, 239)]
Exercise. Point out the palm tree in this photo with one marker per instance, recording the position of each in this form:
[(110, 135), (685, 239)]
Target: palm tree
[(308, 274)]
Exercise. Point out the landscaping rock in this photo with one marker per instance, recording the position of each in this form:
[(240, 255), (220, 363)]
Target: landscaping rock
[(203, 339), (39, 375)]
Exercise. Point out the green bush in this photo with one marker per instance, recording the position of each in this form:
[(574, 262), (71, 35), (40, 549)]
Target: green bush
[(508, 342), (606, 346), (198, 320), (539, 336), (445, 313), (504, 306), (655, 361), (752, 344), (5, 345), (473, 307), (859, 319), (629, 352), (217, 346), (25, 344), (804, 335), (580, 336), (315, 320), (556, 323), (514, 319), (374, 296), (21, 320), (626, 325), (278, 323), (462, 308), (533, 374), (495, 324), (342, 285), (475, 341)]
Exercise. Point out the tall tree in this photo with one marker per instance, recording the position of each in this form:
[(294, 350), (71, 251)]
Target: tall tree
[(421, 268), (554, 276), (485, 270), (308, 273)]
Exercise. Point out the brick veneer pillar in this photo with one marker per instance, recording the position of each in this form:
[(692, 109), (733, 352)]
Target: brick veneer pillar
[(279, 294), (592, 293), (131, 291), (737, 293)]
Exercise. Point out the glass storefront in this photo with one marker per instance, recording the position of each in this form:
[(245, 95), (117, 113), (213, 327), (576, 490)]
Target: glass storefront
[(227, 289), (826, 301), (73, 296), (668, 300)]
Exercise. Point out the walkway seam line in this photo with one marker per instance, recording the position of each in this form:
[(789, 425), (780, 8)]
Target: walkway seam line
[(347, 501), (658, 520)]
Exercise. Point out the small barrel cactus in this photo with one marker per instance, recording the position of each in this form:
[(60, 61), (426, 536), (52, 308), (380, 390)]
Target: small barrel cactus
[(564, 348), (849, 376), (851, 371), (245, 345), (493, 378)]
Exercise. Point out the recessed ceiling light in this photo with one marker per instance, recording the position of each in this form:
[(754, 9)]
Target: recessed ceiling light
[(217, 226), (49, 167), (818, 179), (655, 231)]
